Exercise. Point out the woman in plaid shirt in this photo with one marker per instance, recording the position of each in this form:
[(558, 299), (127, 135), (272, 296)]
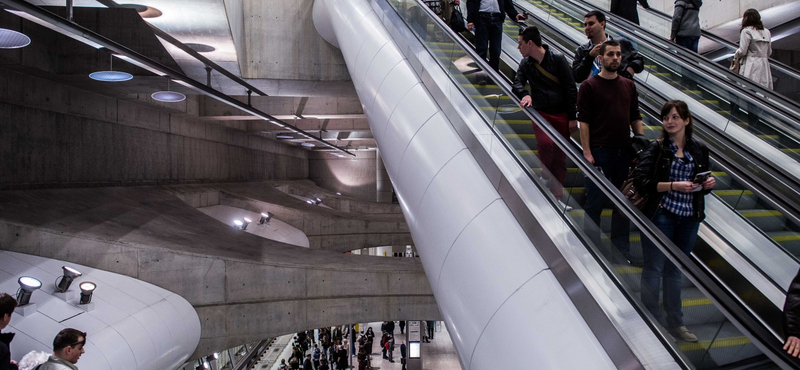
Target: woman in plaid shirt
[(675, 205)]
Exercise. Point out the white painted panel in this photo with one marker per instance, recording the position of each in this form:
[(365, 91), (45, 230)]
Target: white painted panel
[(365, 30), (39, 327), (139, 341), (159, 334), (120, 299), (409, 115), (393, 89), (553, 334), (385, 60), (191, 322), (23, 344), (86, 323), (368, 50), (93, 356), (56, 308), (106, 312), (479, 278), (446, 210), (431, 148), (116, 348)]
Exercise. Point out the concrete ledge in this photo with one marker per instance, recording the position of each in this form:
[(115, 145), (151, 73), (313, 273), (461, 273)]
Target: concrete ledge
[(240, 284), (308, 189)]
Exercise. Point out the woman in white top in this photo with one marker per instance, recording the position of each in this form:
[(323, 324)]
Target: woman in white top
[(754, 49)]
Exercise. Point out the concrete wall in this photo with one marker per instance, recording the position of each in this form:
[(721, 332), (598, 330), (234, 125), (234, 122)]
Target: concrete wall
[(355, 178), (303, 56), (341, 203), (54, 135)]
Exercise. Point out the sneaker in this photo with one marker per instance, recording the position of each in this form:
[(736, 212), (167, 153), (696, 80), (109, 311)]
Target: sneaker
[(565, 207), (683, 334)]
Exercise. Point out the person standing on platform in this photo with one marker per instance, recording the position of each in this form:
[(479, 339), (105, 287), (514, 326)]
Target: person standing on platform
[(791, 317), (370, 340), (608, 109), (486, 18), (686, 24), (627, 9), (403, 356), (431, 327), (755, 47), (587, 60), (402, 326), (554, 95)]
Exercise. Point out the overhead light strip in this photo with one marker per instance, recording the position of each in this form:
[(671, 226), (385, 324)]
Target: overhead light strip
[(96, 40)]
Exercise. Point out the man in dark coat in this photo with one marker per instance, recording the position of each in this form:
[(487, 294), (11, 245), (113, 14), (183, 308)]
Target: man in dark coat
[(7, 305), (486, 17), (627, 9), (307, 364)]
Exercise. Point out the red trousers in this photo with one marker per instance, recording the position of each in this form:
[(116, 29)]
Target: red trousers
[(554, 161)]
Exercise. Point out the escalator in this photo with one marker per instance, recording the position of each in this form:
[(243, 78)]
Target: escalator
[(745, 116), (722, 343)]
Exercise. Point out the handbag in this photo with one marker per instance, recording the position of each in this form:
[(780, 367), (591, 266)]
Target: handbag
[(629, 190), (456, 21), (735, 64)]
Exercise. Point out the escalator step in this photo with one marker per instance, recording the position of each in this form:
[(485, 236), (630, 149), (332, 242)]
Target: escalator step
[(520, 136)]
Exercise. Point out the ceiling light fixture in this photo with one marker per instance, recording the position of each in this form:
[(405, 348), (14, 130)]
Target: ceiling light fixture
[(168, 96), (27, 285), (265, 217), (111, 75), (308, 145), (87, 289), (10, 39), (66, 279), (285, 137)]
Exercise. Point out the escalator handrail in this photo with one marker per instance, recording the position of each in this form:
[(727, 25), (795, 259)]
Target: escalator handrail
[(713, 37), (691, 60), (740, 316)]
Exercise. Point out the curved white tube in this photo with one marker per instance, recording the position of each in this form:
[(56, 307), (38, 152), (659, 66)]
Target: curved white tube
[(490, 282)]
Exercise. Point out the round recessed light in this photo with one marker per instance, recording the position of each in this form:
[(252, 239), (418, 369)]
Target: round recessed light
[(285, 137), (308, 145), (30, 282), (10, 39), (111, 76), (144, 10), (168, 96), (200, 48)]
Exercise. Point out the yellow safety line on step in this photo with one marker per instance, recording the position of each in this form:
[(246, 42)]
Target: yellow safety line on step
[(761, 213), (707, 344), (786, 238)]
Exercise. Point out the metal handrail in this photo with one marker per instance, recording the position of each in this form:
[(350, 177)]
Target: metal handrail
[(713, 37), (724, 77), (729, 306), (94, 39)]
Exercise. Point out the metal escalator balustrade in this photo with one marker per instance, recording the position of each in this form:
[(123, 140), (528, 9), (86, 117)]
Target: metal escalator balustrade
[(772, 129), (513, 125)]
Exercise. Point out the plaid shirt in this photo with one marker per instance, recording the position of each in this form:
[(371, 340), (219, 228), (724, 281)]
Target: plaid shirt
[(682, 170), (434, 5)]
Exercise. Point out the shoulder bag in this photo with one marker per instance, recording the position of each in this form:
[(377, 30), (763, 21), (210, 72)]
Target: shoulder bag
[(629, 190)]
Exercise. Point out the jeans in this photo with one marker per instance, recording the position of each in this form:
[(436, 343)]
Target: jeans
[(488, 36), (615, 163), (658, 273), (689, 42), (554, 164)]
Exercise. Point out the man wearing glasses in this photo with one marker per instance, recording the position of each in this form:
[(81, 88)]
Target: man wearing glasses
[(67, 349)]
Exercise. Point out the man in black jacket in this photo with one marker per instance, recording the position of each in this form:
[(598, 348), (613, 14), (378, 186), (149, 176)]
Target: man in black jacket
[(553, 95), (587, 62), (7, 306), (486, 18), (627, 9)]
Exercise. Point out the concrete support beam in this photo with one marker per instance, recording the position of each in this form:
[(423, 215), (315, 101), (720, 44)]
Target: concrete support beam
[(338, 202), (282, 106)]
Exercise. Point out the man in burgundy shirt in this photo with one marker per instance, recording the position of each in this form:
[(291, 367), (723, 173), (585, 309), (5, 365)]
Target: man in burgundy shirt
[(608, 109)]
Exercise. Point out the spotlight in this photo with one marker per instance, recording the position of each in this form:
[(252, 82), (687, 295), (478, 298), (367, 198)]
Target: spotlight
[(27, 285), (87, 289), (247, 221), (338, 193), (265, 217), (238, 224), (317, 201), (69, 275), (310, 201), (216, 355)]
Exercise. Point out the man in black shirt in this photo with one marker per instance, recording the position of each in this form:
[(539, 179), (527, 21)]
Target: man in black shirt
[(553, 95), (486, 17), (586, 62), (608, 109)]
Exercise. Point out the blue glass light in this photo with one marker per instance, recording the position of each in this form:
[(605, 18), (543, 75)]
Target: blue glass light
[(10, 39), (168, 96), (111, 76)]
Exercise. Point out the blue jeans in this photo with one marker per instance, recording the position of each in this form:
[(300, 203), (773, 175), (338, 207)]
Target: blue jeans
[(689, 42), (615, 163), (489, 36), (659, 273)]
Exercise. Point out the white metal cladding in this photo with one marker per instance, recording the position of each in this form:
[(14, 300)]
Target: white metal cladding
[(491, 284), (134, 325)]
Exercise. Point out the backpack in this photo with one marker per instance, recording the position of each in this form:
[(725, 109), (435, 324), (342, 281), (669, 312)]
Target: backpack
[(456, 21)]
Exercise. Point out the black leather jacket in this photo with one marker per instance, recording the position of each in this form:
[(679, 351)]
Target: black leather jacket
[(5, 353), (791, 309), (582, 63), (474, 6), (648, 174), (547, 95)]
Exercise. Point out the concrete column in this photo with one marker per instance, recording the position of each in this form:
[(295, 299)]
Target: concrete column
[(383, 183)]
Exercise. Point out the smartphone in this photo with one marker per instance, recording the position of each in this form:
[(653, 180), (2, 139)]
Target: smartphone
[(701, 177)]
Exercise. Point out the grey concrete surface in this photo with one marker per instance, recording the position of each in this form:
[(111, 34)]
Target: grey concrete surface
[(355, 177), (327, 229), (244, 287), (342, 202)]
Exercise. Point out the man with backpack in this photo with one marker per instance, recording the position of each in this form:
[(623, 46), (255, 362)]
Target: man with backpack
[(554, 95)]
